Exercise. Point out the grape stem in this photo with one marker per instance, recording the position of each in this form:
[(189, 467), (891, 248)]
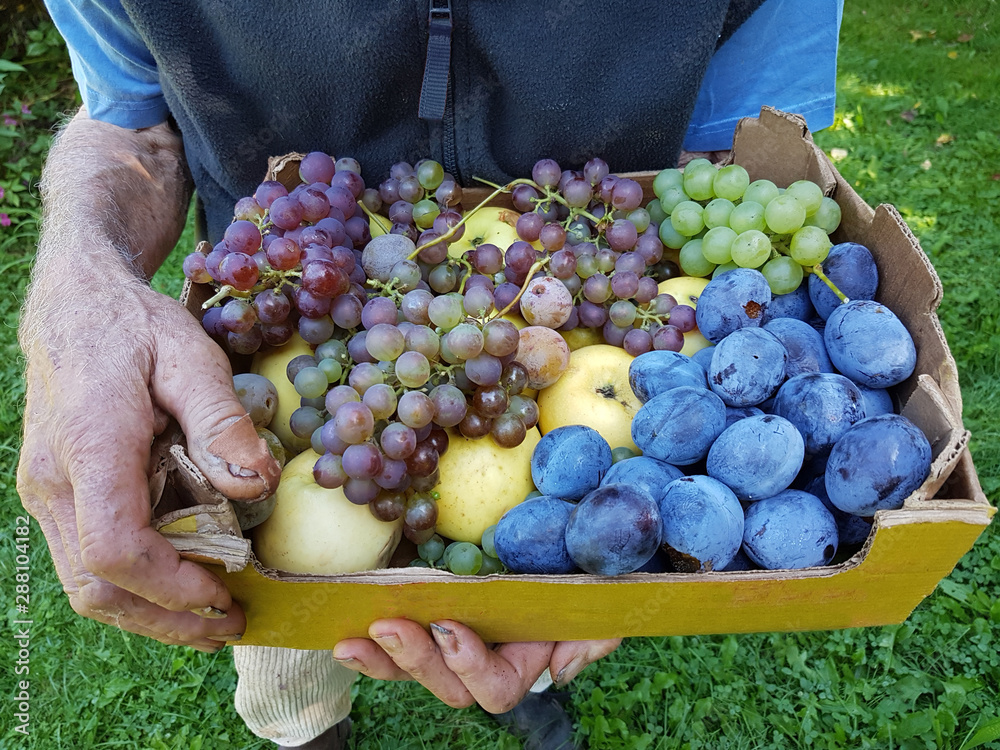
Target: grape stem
[(469, 214), (372, 216), (818, 270), (468, 273), (524, 287), (224, 291)]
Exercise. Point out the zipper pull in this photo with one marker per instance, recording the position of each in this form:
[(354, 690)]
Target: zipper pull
[(434, 89)]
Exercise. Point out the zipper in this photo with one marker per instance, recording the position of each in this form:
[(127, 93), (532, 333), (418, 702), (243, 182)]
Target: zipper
[(436, 97)]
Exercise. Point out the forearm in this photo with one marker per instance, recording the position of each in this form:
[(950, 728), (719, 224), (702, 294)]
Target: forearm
[(114, 204)]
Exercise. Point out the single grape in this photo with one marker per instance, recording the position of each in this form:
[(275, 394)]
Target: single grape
[(464, 559), (465, 340), (808, 193), (525, 408), (783, 274), (237, 316), (693, 261), (751, 249), (446, 311), (667, 178), (500, 338), (717, 245), (717, 212), (423, 461), (637, 341), (809, 246), (622, 313), (784, 214), (311, 382), (397, 440), (730, 182), (328, 471), (362, 461), (363, 376), (687, 218), (415, 409), (699, 178), (746, 216), (508, 431), (304, 421), (827, 216), (432, 550), (381, 400), (354, 422), (388, 506)]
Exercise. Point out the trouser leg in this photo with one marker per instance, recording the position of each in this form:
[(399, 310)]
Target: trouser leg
[(290, 696)]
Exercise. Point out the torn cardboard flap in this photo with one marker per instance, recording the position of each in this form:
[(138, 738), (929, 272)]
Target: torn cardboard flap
[(192, 515)]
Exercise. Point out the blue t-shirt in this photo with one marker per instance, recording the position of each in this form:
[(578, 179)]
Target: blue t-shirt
[(784, 56)]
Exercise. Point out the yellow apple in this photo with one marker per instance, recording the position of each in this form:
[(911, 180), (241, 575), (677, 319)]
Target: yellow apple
[(271, 363), (316, 530), (489, 225), (593, 391), (686, 290), (480, 481)]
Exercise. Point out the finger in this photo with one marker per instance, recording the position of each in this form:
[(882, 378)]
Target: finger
[(193, 380), (365, 656), (570, 657), (415, 652), (90, 596), (497, 679)]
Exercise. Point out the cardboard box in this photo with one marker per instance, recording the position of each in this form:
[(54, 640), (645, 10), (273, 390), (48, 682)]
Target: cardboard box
[(907, 553)]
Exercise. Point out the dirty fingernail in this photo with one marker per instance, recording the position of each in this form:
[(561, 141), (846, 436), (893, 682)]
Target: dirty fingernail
[(445, 638), (389, 642), (351, 663), (225, 638), (210, 613), (570, 671)]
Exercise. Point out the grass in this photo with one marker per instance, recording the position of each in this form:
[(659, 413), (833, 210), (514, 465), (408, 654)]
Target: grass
[(916, 126)]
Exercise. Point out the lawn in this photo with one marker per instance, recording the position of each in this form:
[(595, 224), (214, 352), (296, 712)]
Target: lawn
[(918, 125)]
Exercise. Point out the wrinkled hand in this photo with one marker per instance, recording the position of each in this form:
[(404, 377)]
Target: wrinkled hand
[(103, 375), (454, 663)]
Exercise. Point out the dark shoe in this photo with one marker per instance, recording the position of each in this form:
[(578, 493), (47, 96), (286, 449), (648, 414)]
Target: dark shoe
[(334, 738), (540, 721)]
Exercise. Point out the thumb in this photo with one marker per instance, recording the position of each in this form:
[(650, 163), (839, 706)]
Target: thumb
[(193, 381)]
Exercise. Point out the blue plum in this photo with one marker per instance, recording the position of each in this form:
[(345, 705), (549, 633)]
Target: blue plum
[(702, 524), (877, 401), (790, 530), (757, 457), (804, 345), (869, 344), (680, 425), (877, 464), (736, 413), (852, 269), (531, 537), (822, 406), (704, 356), (613, 530), (732, 301), (570, 461), (852, 530), (646, 472), (747, 367), (792, 305), (658, 371)]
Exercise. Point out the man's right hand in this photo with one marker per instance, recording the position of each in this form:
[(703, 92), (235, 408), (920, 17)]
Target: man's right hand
[(109, 361), (101, 382)]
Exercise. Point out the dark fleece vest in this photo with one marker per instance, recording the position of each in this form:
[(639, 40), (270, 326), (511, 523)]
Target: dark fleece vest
[(529, 80)]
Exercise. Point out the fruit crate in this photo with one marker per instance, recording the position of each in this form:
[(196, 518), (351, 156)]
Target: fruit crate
[(907, 553)]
